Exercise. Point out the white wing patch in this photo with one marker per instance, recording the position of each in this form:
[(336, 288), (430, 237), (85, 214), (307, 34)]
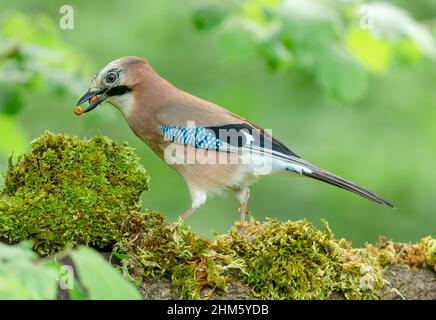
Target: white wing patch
[(249, 138), (298, 168), (279, 166)]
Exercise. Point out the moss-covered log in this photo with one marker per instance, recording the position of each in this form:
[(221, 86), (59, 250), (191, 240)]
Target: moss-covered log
[(68, 192), (289, 260), (402, 283)]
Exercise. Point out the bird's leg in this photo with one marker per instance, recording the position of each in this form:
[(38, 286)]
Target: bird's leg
[(243, 196), (187, 213), (242, 211), (198, 199)]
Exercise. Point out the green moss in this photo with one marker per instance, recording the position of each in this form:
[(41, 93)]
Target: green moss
[(294, 260), (70, 191), (413, 254), (428, 244), (290, 260), (148, 242), (154, 248)]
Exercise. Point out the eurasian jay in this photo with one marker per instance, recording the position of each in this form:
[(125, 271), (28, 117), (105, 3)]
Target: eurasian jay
[(210, 147)]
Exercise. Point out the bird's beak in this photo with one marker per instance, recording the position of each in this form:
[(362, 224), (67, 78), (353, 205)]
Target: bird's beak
[(94, 98)]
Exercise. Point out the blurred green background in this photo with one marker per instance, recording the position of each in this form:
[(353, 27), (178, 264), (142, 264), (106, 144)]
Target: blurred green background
[(349, 88)]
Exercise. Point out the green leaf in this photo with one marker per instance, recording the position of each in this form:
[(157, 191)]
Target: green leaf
[(408, 51), (120, 256), (18, 27), (35, 55), (208, 16), (373, 52), (11, 101), (259, 10), (22, 277), (277, 55), (395, 24), (100, 279), (340, 75), (77, 292), (366, 37), (309, 22), (239, 38), (19, 252)]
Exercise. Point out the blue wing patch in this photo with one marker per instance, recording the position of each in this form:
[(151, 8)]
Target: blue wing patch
[(196, 137), (226, 138)]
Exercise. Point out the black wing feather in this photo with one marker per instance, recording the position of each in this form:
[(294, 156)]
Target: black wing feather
[(260, 138)]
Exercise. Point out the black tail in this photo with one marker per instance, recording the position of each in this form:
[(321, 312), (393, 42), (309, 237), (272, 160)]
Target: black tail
[(330, 178)]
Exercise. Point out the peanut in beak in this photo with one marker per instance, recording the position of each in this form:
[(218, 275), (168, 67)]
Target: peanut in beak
[(78, 109), (92, 99)]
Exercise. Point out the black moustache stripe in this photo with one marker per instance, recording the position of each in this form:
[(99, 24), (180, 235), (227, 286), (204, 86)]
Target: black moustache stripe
[(118, 90)]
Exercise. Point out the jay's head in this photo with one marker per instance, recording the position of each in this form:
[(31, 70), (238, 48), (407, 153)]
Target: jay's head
[(116, 84)]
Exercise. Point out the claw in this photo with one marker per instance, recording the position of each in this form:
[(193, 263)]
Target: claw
[(243, 234)]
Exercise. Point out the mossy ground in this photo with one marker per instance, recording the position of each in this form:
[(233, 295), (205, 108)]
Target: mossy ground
[(412, 254), (70, 191), (290, 260), (67, 191), (150, 247), (295, 260)]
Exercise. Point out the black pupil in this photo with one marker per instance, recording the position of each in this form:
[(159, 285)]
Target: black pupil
[(110, 77)]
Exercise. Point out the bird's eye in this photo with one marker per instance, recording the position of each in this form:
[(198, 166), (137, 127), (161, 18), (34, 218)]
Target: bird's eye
[(111, 77)]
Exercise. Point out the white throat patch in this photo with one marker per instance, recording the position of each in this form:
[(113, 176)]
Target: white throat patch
[(124, 103)]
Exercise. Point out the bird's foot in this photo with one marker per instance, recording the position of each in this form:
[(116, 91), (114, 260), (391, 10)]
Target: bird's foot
[(243, 234)]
